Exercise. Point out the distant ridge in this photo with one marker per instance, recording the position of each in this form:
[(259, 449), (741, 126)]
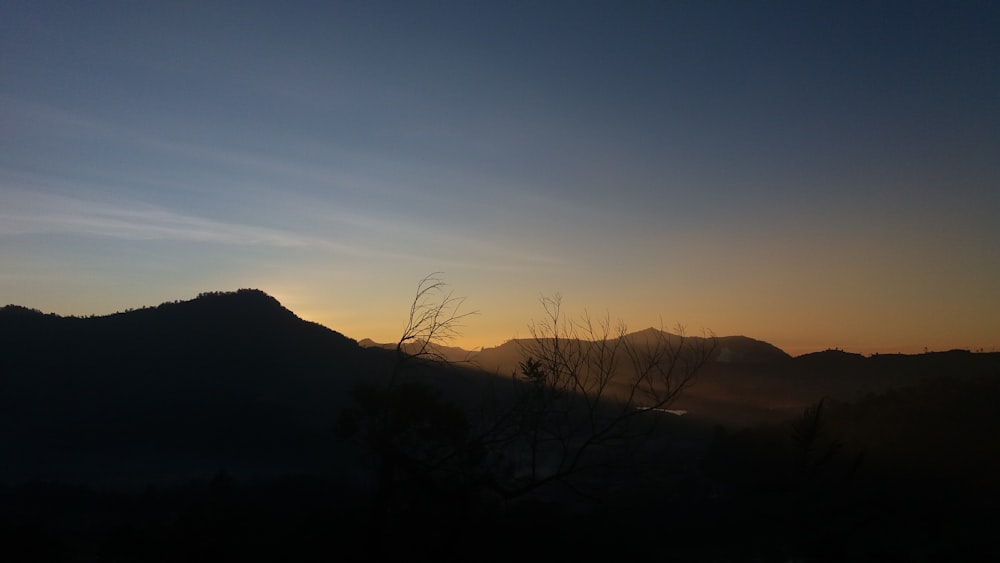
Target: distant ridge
[(438, 351), (745, 349), (504, 358), (830, 355)]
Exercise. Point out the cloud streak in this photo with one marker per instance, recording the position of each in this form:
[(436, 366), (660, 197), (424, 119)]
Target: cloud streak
[(44, 214), (26, 214)]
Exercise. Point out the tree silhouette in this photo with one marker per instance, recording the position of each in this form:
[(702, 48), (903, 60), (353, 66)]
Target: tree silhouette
[(414, 435), (585, 397)]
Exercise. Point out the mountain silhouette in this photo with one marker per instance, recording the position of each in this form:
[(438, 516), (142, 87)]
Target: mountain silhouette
[(504, 359), (439, 351), (226, 380), (233, 380)]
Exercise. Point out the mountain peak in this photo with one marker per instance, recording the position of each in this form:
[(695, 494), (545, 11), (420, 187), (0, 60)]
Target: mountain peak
[(245, 295), (242, 301)]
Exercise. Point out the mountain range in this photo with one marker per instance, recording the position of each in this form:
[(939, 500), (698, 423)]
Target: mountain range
[(506, 356), (213, 429), (234, 380)]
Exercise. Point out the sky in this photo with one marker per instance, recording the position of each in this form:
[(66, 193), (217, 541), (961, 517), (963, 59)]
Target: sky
[(813, 174)]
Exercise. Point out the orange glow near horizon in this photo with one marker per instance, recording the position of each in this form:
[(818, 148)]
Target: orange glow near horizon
[(736, 185), (479, 335)]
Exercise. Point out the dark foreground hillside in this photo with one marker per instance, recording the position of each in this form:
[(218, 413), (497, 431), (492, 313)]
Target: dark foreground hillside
[(226, 381), (213, 430), (792, 491)]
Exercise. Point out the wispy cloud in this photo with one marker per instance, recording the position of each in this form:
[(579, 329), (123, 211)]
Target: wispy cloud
[(314, 195), (26, 213)]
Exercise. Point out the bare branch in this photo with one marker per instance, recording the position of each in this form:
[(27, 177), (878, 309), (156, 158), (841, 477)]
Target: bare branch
[(590, 385), (436, 318)]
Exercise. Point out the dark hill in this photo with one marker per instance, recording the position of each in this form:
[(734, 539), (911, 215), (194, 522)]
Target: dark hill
[(229, 380), (745, 349)]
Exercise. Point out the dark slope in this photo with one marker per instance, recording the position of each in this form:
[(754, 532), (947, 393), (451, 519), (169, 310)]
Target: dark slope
[(745, 349), (748, 392), (225, 381)]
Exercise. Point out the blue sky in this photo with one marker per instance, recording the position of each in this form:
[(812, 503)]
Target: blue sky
[(815, 175)]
